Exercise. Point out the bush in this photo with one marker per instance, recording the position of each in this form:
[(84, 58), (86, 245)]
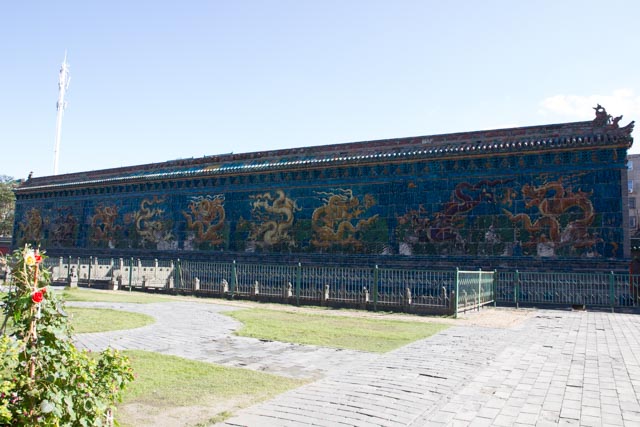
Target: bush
[(44, 378)]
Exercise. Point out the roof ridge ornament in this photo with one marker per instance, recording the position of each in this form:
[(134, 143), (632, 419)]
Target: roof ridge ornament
[(607, 121)]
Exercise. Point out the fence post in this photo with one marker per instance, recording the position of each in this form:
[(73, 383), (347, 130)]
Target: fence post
[(89, 272), (495, 288), (612, 295), (479, 288), (178, 273), (298, 282), (234, 277), (130, 273), (110, 272), (69, 270), (407, 299), (172, 277), (121, 268), (60, 264), (516, 290), (455, 306), (376, 275)]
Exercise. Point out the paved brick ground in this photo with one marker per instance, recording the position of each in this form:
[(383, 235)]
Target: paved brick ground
[(198, 331), (557, 368)]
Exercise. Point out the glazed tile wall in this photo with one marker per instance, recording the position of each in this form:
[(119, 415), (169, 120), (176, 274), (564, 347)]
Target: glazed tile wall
[(545, 204)]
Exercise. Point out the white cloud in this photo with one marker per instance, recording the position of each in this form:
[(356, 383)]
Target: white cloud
[(621, 102)]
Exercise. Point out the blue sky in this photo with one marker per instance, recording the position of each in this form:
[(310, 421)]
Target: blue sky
[(158, 80)]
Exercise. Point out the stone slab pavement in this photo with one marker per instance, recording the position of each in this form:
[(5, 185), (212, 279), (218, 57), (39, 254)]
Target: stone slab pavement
[(556, 368), (198, 331)]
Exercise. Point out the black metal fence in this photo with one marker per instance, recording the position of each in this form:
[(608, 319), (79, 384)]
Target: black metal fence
[(411, 290)]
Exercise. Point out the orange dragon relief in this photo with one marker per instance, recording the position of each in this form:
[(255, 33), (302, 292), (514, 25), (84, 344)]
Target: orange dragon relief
[(206, 218), (275, 216), (337, 221), (553, 201), (31, 228)]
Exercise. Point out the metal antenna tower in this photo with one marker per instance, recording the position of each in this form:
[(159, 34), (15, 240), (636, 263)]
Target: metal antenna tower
[(63, 85)]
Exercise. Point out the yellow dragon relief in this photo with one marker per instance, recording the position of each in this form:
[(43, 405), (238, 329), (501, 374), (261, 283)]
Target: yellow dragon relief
[(274, 218), (333, 222), (206, 217), (103, 224), (149, 222), (552, 200), (31, 228)]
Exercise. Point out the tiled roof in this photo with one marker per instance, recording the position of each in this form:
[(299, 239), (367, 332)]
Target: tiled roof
[(513, 140)]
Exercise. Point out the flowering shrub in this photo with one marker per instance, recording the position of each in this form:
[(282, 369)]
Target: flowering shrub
[(44, 378)]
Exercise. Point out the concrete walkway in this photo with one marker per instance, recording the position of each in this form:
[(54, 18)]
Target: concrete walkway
[(557, 368)]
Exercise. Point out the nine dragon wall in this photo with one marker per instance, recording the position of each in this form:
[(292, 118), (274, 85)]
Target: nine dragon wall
[(553, 204)]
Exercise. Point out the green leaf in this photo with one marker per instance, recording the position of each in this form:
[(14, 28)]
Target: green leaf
[(46, 407), (69, 388)]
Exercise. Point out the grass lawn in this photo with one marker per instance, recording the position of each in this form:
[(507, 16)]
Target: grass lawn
[(99, 320), (331, 331), (86, 320), (195, 392), (79, 294), (170, 390)]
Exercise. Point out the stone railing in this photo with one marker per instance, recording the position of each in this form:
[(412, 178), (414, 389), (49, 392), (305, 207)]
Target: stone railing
[(112, 275)]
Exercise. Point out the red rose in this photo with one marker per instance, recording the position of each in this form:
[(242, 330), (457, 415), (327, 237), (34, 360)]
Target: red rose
[(38, 257), (37, 297)]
